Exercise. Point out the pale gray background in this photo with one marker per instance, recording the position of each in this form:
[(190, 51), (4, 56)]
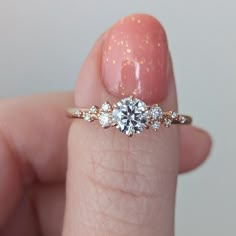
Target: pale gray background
[(42, 46)]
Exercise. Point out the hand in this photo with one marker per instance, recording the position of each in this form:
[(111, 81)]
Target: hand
[(115, 185)]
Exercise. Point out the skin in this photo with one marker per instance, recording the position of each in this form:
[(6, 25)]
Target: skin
[(109, 191)]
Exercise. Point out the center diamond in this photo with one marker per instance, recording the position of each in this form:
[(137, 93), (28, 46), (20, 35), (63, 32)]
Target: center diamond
[(130, 115)]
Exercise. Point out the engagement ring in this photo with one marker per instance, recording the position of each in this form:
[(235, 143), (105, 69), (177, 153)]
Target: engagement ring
[(130, 115)]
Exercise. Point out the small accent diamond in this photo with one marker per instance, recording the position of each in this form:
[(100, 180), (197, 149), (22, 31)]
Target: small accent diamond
[(93, 110), (156, 125), (105, 119), (174, 115), (88, 117), (156, 112), (106, 107), (182, 119), (78, 113), (167, 122)]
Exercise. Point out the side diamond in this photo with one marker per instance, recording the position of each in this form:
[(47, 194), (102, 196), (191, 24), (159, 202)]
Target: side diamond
[(167, 122), (182, 119), (88, 117), (156, 125), (106, 107), (174, 115), (78, 113), (93, 110), (156, 112), (105, 119)]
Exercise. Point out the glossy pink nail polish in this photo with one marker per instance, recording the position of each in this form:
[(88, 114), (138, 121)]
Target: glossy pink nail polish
[(135, 59)]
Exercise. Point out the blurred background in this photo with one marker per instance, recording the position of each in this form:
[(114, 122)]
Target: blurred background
[(43, 44)]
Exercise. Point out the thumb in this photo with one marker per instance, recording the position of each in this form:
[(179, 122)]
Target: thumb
[(118, 185)]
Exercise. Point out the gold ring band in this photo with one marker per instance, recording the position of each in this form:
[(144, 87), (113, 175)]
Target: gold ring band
[(130, 115)]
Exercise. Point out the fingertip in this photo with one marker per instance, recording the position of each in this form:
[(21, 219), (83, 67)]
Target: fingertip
[(206, 140), (196, 144)]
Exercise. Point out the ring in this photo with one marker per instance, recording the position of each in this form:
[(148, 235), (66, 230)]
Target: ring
[(130, 115)]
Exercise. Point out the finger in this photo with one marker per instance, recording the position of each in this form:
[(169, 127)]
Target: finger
[(10, 183), (118, 185), (49, 204), (33, 145), (34, 132), (39, 213), (23, 222), (195, 145)]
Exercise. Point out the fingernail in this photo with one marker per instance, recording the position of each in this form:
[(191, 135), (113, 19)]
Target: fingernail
[(135, 59)]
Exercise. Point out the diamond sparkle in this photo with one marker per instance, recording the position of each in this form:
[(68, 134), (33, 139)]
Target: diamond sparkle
[(105, 119), (156, 112), (167, 122), (130, 115), (93, 110), (88, 117), (156, 125), (106, 107), (78, 113)]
